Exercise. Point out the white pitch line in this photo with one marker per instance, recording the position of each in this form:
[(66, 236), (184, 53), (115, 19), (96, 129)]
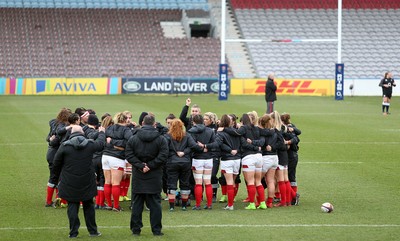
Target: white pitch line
[(232, 226), (330, 162)]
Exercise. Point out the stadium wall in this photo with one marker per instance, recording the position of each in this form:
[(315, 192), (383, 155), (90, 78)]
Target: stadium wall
[(113, 86)]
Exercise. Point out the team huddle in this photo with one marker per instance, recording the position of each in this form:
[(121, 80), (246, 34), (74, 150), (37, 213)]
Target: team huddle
[(182, 159)]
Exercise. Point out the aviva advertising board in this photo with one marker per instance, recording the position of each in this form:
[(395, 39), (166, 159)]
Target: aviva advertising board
[(61, 86), (313, 87)]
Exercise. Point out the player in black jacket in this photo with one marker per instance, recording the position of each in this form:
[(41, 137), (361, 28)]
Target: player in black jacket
[(179, 164), (202, 162), (230, 145), (270, 93), (387, 84)]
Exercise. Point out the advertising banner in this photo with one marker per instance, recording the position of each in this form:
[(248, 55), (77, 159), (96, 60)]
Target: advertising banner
[(169, 85), (339, 77), (71, 86), (309, 87), (223, 82)]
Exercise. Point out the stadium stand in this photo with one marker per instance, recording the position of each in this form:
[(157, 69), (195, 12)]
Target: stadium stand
[(150, 38), (370, 36)]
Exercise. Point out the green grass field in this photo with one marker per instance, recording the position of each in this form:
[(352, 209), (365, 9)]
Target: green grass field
[(348, 156)]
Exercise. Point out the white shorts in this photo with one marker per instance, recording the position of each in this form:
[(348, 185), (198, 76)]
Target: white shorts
[(202, 164), (270, 162), (110, 162), (230, 166), (281, 168), (252, 162)]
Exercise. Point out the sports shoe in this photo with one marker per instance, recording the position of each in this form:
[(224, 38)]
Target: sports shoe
[(118, 209), (184, 209), (73, 236), (171, 209), (297, 200), (196, 208), (95, 234), (57, 203), (229, 208), (223, 199), (64, 205), (246, 200), (251, 206), (105, 207), (51, 205), (126, 198), (276, 200), (166, 199), (262, 205), (208, 207), (121, 198)]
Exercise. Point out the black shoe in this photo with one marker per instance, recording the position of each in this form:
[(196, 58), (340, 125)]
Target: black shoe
[(95, 234), (158, 234), (73, 236), (135, 234), (207, 207)]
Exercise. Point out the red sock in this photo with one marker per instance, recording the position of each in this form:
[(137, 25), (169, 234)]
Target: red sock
[(288, 193), (116, 191), (231, 195), (278, 194), (107, 194), (209, 194), (49, 196), (269, 201), (251, 191), (236, 188), (198, 193), (101, 199), (223, 189), (282, 190), (122, 187), (127, 184), (294, 191), (261, 194)]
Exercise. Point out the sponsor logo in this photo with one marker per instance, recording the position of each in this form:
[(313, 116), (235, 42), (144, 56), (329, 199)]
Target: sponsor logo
[(288, 87), (214, 87), (132, 86)]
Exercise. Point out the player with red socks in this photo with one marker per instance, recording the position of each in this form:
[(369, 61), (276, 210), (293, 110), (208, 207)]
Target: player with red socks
[(252, 160), (202, 162), (292, 139), (230, 158), (270, 156), (281, 171), (113, 159)]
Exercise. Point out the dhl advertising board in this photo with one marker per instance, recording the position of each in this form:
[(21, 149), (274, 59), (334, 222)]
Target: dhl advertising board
[(60, 86), (310, 87)]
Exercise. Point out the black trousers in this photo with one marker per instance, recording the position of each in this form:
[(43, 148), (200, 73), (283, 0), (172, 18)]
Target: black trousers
[(88, 212), (292, 166), (214, 173), (153, 202)]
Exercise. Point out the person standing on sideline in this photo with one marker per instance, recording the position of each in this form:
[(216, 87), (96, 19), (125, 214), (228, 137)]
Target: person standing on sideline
[(73, 167), (147, 151), (387, 84), (270, 93)]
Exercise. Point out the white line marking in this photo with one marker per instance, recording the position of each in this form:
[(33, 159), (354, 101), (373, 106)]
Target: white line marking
[(300, 162), (232, 226)]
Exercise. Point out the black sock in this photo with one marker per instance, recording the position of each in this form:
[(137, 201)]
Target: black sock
[(172, 205), (383, 108), (387, 109)]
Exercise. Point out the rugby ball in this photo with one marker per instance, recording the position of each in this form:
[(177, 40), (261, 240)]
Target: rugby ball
[(327, 207)]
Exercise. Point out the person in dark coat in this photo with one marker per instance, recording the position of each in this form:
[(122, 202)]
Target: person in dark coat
[(270, 93), (73, 167), (147, 151)]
